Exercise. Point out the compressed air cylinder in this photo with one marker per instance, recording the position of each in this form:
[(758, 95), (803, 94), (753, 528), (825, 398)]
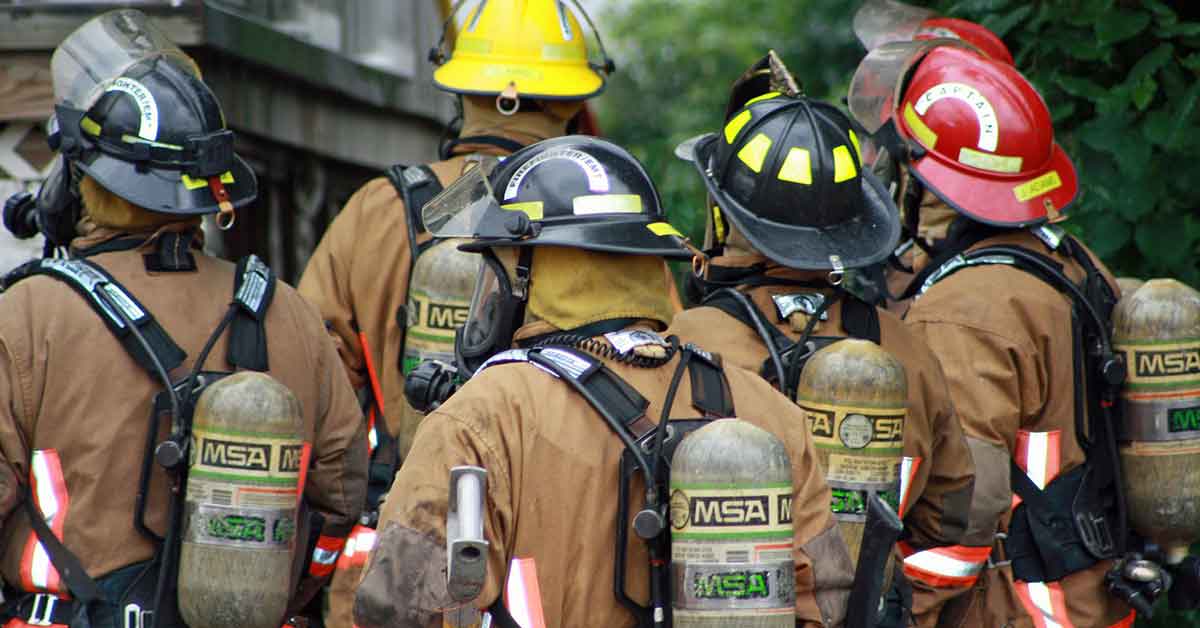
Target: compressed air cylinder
[(1129, 285), (855, 398), (1157, 328), (731, 529), (239, 530), (439, 297)]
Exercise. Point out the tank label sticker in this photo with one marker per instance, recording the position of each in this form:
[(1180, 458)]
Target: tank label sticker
[(147, 106), (850, 504), (1183, 419), (431, 323), (597, 176), (240, 527), (701, 511), (985, 114), (759, 588), (1162, 366), (244, 457), (856, 444)]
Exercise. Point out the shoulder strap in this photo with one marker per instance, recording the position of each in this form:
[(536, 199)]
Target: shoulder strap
[(103, 293), (79, 583), (253, 291), (710, 390), (416, 186), (860, 319)]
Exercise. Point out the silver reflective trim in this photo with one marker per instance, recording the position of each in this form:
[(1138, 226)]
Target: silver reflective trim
[(1051, 235), (628, 340), (806, 302), (958, 262), (567, 361), (254, 284)]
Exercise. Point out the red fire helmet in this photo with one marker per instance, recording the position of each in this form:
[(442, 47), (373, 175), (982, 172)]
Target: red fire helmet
[(878, 22), (986, 143)]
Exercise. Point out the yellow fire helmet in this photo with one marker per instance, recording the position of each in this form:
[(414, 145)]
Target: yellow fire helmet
[(521, 48)]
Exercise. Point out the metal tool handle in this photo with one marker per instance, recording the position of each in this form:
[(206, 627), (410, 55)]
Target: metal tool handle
[(466, 548)]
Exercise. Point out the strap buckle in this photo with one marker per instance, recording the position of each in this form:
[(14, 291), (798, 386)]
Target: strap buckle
[(998, 544), (1095, 534), (43, 610), (135, 617)]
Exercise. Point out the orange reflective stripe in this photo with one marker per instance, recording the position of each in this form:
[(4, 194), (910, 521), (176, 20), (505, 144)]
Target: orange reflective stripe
[(1127, 622), (49, 490), (1045, 603), (358, 548), (372, 374), (1039, 455), (325, 555), (305, 459), (951, 566), (523, 596), (908, 473)]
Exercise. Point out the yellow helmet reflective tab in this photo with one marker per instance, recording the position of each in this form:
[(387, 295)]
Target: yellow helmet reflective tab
[(537, 46)]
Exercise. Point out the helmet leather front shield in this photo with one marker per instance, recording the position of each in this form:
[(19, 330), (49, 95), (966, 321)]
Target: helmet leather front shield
[(875, 88)]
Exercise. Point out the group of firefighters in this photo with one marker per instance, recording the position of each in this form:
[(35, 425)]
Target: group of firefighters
[(517, 291)]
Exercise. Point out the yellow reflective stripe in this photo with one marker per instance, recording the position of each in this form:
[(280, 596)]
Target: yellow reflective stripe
[(473, 44), (533, 209), (857, 148), (754, 153), (89, 126), (989, 161), (607, 204), (797, 166), (923, 133), (663, 228), (766, 96), (735, 126), (843, 165), (718, 225), (1036, 187), (195, 184)]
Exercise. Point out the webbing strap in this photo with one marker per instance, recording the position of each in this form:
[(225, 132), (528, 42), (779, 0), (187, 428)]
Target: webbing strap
[(253, 291), (100, 289), (710, 391), (79, 583), (416, 185)]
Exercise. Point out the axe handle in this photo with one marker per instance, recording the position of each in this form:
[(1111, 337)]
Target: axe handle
[(880, 534)]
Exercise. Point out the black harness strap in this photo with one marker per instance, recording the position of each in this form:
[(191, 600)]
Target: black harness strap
[(710, 390), (79, 583), (416, 185), (253, 291), (89, 279), (503, 143), (1079, 518)]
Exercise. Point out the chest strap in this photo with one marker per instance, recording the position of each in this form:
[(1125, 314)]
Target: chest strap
[(102, 292)]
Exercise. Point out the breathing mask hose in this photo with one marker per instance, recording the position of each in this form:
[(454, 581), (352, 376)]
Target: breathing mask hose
[(761, 328)]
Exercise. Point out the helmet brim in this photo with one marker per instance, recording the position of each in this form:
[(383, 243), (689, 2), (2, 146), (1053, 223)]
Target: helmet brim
[(857, 243), (631, 236), (1011, 201), (488, 78), (163, 190)]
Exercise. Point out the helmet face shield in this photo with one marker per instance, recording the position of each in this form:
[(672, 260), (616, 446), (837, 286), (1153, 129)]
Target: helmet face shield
[(101, 50), (457, 211), (878, 22), (875, 88)]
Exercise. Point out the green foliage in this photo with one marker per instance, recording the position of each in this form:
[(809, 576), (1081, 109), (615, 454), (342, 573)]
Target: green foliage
[(1120, 78), (677, 59)]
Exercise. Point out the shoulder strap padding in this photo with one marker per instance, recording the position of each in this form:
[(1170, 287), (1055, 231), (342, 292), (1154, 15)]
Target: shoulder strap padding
[(710, 390), (416, 185), (102, 292), (253, 292)]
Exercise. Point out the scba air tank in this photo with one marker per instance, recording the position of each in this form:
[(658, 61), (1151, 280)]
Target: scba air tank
[(1157, 328), (242, 498), (855, 399), (731, 529), (439, 297)]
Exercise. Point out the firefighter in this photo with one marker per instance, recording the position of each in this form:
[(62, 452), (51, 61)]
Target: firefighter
[(571, 240), (792, 210), (93, 339), (1017, 313), (389, 292)]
